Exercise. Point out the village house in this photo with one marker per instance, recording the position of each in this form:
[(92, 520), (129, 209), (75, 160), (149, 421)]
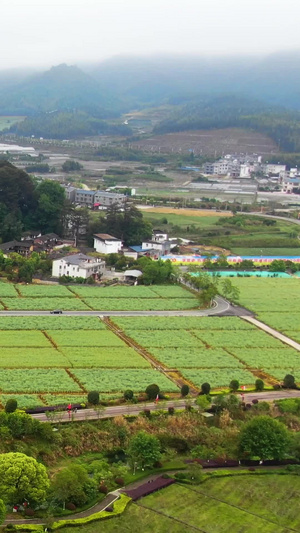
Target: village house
[(107, 244), (78, 266)]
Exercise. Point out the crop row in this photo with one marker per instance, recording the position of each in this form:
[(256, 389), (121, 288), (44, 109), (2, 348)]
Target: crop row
[(196, 338), (27, 338), (44, 304), (53, 322), (195, 358), (37, 380), (104, 357), (107, 380), (218, 377), (182, 322), (284, 357), (139, 291)]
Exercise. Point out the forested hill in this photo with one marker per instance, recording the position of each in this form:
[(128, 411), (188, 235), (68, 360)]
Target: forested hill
[(61, 88), (233, 111)]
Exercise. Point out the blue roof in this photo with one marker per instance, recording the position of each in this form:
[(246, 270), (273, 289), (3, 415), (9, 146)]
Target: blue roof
[(140, 249)]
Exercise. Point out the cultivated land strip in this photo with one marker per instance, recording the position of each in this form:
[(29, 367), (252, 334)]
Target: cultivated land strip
[(174, 376), (186, 524), (273, 332)]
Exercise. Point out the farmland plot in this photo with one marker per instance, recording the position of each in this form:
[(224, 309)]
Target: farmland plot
[(115, 292), (45, 291), (218, 377), (37, 380), (104, 358), (7, 290), (27, 338), (254, 338), (32, 358), (25, 401), (53, 322), (162, 339), (106, 380), (85, 338), (44, 304), (268, 357), (182, 322), (141, 304), (199, 357)]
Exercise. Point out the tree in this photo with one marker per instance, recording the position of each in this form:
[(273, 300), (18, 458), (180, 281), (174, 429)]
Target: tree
[(11, 405), (229, 290), (234, 385), (205, 388), (51, 204), (22, 477), (71, 484), (278, 265), (185, 389), (70, 165), (289, 382), (2, 511), (144, 449), (93, 397), (259, 385), (203, 402), (152, 391), (264, 437), (128, 395)]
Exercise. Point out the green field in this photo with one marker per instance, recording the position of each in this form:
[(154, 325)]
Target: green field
[(6, 121), (183, 220), (266, 251), (275, 300), (78, 298), (213, 349), (252, 503)]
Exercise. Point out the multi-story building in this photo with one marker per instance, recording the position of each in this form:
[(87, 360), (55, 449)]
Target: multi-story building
[(78, 266)]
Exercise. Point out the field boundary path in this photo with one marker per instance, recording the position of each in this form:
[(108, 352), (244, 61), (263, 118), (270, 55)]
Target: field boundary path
[(135, 409), (273, 332)]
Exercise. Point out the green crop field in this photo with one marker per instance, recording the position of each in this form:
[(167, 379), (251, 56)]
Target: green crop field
[(108, 380), (6, 121), (275, 300), (213, 349), (78, 298), (252, 503), (103, 358)]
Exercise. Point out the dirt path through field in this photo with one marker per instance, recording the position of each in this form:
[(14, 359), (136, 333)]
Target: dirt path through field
[(187, 212)]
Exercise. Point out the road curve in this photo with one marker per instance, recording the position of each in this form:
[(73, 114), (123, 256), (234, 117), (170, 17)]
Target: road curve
[(134, 409)]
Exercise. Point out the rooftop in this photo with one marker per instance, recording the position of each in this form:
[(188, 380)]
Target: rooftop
[(105, 237), (79, 259)]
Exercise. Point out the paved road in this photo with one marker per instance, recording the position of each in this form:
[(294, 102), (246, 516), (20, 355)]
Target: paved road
[(119, 410), (273, 332), (221, 306), (287, 219)]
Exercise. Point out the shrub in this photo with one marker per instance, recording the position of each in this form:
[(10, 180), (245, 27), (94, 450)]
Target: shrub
[(10, 527), (11, 405), (180, 475), (188, 407), (289, 382), (185, 389), (234, 385), (70, 506), (152, 391), (119, 481), (277, 386), (147, 413), (128, 395), (29, 512), (205, 388), (109, 509), (255, 401), (93, 397), (103, 489), (259, 385), (251, 469), (171, 410)]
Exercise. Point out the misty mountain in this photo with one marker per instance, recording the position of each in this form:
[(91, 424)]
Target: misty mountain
[(60, 88)]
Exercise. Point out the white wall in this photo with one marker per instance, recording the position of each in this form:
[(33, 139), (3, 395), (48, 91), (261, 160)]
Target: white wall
[(107, 247)]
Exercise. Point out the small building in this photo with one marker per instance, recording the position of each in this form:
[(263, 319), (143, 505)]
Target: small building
[(105, 199), (78, 266), (19, 247), (132, 275), (162, 248), (159, 235), (138, 251), (107, 244), (85, 198)]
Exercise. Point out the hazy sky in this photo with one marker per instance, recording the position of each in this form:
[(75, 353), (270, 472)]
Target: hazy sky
[(48, 32)]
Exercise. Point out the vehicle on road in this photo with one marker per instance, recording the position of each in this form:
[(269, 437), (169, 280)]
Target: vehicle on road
[(56, 312)]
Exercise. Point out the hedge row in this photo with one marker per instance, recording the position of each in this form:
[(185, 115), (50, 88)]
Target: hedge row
[(119, 507)]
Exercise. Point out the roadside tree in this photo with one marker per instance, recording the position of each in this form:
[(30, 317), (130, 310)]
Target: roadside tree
[(144, 449), (264, 437), (22, 477)]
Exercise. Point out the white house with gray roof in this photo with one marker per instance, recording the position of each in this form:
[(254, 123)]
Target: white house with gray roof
[(78, 266)]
